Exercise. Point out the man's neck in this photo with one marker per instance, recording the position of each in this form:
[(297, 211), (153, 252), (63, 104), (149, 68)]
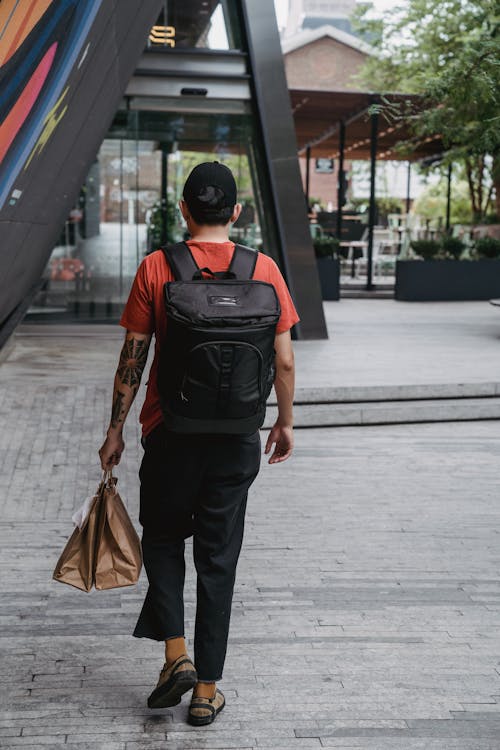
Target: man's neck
[(210, 234)]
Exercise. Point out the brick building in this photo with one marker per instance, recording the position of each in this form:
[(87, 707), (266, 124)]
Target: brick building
[(325, 58)]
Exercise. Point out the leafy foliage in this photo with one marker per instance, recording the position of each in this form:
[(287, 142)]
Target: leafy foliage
[(487, 247), (427, 249), (453, 246), (161, 215), (431, 203), (448, 52), (326, 246)]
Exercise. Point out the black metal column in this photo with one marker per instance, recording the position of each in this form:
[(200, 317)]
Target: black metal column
[(340, 180), (448, 198), (371, 215), (275, 123), (308, 174), (163, 193), (408, 186)]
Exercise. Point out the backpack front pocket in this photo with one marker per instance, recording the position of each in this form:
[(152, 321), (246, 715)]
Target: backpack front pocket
[(221, 380)]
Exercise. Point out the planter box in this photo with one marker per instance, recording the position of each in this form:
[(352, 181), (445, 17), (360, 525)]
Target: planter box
[(447, 280), (329, 277)]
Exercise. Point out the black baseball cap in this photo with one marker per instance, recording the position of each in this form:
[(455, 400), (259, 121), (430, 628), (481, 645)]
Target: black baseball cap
[(197, 194)]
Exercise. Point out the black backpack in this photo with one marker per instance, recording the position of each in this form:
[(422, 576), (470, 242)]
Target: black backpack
[(216, 364)]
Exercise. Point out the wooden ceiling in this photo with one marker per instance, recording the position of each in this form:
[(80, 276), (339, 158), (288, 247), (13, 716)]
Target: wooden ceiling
[(317, 116)]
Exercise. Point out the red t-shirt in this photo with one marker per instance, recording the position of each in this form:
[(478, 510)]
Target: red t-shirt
[(145, 311)]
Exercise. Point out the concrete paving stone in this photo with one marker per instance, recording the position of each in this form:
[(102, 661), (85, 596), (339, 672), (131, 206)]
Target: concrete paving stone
[(377, 584), (92, 728), (49, 740), (8, 732), (481, 713), (488, 727), (199, 744), (364, 732), (118, 737), (388, 743), (291, 743)]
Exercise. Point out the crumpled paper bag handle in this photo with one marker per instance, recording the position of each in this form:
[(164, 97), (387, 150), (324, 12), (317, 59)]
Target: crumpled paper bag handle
[(80, 516)]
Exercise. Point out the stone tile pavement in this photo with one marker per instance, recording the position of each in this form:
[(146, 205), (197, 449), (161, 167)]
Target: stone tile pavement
[(367, 602)]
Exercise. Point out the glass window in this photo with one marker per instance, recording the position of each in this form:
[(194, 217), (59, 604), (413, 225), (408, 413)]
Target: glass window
[(128, 207), (189, 24)]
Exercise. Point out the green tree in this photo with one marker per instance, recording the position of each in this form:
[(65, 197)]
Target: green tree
[(448, 52), (431, 203)]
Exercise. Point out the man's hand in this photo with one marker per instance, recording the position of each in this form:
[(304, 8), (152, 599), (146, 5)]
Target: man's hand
[(282, 432), (111, 451), (283, 437)]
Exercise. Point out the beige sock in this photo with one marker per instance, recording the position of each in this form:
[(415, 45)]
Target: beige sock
[(174, 647), (204, 690)]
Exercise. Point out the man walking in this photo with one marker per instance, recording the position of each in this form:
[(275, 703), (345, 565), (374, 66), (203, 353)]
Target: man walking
[(194, 484)]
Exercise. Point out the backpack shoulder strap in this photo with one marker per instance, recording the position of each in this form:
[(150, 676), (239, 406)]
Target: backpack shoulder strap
[(243, 262), (181, 261)]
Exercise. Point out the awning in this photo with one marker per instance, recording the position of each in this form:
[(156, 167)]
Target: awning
[(317, 116)]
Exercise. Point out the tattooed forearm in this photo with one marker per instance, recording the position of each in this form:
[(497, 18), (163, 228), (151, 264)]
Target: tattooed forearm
[(117, 411), (127, 379), (132, 362)]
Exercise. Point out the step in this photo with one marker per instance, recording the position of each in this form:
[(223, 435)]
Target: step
[(406, 392), (349, 293), (391, 412)]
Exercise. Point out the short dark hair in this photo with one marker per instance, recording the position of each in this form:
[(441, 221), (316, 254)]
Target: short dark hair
[(214, 210)]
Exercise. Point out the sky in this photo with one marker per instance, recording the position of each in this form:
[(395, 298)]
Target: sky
[(282, 8)]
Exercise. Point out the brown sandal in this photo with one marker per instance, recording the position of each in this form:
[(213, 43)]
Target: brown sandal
[(174, 681), (204, 710)]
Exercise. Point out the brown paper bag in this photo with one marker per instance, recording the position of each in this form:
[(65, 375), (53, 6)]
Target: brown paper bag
[(106, 551), (118, 558), (76, 563)]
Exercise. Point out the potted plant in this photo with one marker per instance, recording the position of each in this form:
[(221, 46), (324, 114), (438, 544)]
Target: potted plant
[(326, 251), (155, 225), (425, 249), (453, 247), (487, 247), (446, 272)]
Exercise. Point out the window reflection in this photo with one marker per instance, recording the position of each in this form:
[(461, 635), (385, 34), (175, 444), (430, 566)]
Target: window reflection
[(128, 207), (189, 24)]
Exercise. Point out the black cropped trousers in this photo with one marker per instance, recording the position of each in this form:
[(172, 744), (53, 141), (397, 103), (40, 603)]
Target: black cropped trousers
[(194, 485)]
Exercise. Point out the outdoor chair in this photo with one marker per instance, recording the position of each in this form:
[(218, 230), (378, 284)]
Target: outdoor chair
[(384, 253), (353, 244)]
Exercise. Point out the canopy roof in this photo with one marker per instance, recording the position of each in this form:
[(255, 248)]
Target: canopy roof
[(317, 116)]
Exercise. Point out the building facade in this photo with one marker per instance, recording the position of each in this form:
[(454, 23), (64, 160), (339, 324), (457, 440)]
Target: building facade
[(108, 108), (323, 59), (311, 14)]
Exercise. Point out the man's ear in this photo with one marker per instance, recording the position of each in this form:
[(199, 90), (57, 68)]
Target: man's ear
[(184, 210), (236, 213)]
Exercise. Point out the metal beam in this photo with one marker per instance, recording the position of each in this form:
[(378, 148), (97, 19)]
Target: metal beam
[(308, 174), (281, 166), (163, 192), (371, 216), (408, 184), (340, 183), (448, 198)]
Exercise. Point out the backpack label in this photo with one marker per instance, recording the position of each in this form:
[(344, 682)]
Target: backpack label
[(224, 301)]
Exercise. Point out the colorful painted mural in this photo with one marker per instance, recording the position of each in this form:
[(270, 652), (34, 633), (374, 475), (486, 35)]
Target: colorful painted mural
[(39, 43), (64, 65)]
